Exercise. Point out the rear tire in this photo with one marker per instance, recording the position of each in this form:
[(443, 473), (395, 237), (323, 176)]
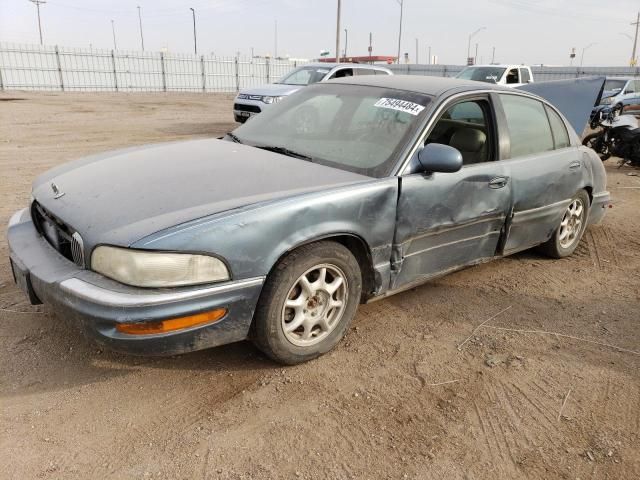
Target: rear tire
[(307, 303), (568, 234)]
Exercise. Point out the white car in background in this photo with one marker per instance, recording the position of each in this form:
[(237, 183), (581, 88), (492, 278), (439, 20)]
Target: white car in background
[(251, 101), (507, 75)]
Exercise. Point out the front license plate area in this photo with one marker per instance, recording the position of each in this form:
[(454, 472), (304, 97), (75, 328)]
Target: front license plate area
[(245, 114), (21, 278)]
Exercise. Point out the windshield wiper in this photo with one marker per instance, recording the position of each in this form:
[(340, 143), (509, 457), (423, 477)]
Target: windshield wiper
[(284, 151), (234, 137)]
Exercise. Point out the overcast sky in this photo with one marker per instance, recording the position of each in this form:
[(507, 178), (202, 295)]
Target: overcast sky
[(522, 31)]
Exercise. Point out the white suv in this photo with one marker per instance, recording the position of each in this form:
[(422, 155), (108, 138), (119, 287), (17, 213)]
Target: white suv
[(251, 101), (508, 75)]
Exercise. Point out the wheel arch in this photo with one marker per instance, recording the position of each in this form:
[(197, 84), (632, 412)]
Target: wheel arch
[(356, 245)]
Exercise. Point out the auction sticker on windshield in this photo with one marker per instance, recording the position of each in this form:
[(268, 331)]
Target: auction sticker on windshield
[(400, 105)]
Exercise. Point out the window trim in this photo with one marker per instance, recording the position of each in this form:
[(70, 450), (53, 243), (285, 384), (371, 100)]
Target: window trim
[(547, 108)]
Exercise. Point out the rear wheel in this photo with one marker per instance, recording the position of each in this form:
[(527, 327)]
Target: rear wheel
[(567, 235), (307, 303)]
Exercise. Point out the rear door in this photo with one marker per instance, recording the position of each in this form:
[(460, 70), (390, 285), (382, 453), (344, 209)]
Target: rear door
[(449, 220), (546, 170)]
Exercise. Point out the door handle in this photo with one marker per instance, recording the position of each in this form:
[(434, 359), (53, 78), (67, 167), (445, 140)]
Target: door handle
[(575, 164), (498, 182)]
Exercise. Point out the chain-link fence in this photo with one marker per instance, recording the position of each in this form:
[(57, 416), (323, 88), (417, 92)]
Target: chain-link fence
[(35, 67)]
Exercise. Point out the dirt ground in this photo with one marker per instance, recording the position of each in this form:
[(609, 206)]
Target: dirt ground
[(396, 399)]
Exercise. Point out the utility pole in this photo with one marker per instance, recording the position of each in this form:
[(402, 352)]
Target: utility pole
[(417, 52), (140, 22), (633, 60), (113, 31), (370, 47), (476, 57), (275, 40), (195, 41), (338, 32), (401, 2), (493, 56), (37, 3), (346, 41), (429, 59)]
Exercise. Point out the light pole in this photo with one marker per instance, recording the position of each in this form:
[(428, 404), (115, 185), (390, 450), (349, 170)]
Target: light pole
[(475, 59), (429, 59), (346, 41), (338, 32), (275, 39), (140, 23), (401, 2), (37, 4), (584, 50), (469, 44), (633, 60), (195, 41), (113, 31)]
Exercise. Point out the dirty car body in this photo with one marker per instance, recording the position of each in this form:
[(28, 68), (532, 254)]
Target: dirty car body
[(354, 177)]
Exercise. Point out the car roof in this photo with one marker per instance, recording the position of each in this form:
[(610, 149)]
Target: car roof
[(500, 65), (434, 86)]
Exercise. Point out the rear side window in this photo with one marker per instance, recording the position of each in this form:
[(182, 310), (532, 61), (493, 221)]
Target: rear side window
[(524, 75), (559, 130), (364, 71), (528, 125)]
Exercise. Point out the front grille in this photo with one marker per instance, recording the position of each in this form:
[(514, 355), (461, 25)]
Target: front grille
[(246, 108), (60, 236)]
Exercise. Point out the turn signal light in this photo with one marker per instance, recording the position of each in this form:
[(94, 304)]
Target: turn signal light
[(163, 326)]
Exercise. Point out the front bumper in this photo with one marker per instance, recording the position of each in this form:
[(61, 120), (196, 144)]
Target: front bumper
[(243, 109), (99, 303)]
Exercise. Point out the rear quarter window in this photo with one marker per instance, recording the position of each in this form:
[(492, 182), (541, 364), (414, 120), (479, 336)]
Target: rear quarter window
[(558, 128)]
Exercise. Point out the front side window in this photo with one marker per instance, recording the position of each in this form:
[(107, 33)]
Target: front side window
[(352, 127), (528, 125), (466, 126), (304, 76), (512, 76), (343, 72), (558, 128)]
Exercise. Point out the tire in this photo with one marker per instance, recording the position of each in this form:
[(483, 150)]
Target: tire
[(283, 326), (567, 235), (591, 141)]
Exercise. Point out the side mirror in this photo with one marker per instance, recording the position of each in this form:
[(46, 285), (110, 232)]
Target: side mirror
[(436, 157)]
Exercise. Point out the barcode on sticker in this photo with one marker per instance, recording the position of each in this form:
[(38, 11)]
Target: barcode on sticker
[(400, 105)]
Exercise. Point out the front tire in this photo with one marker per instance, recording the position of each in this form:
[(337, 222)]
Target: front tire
[(567, 235), (307, 303)]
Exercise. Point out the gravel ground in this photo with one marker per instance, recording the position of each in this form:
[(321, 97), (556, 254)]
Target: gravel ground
[(396, 399)]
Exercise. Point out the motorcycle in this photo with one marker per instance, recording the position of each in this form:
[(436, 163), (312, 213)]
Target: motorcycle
[(619, 136)]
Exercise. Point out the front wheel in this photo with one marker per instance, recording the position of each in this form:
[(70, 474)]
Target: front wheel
[(307, 303), (595, 143), (567, 235)]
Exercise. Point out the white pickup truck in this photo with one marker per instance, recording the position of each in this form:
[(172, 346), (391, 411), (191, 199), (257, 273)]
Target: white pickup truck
[(509, 75)]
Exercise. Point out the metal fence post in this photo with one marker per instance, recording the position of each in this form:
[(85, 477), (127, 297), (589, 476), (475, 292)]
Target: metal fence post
[(59, 68), (444, 71), (267, 68), (1, 81), (237, 75), (115, 72), (164, 77), (204, 75)]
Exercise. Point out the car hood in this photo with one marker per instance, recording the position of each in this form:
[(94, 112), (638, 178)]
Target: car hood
[(272, 90), (575, 98), (123, 196)]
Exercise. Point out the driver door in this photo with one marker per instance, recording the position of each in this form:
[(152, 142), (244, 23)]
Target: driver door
[(448, 220)]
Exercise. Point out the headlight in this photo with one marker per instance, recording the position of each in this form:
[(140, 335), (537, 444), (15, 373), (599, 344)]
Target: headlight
[(606, 101), (157, 269), (267, 99)]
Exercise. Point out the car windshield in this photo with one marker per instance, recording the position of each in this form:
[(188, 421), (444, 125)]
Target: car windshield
[(614, 85), (361, 129), (304, 76), (482, 74)]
